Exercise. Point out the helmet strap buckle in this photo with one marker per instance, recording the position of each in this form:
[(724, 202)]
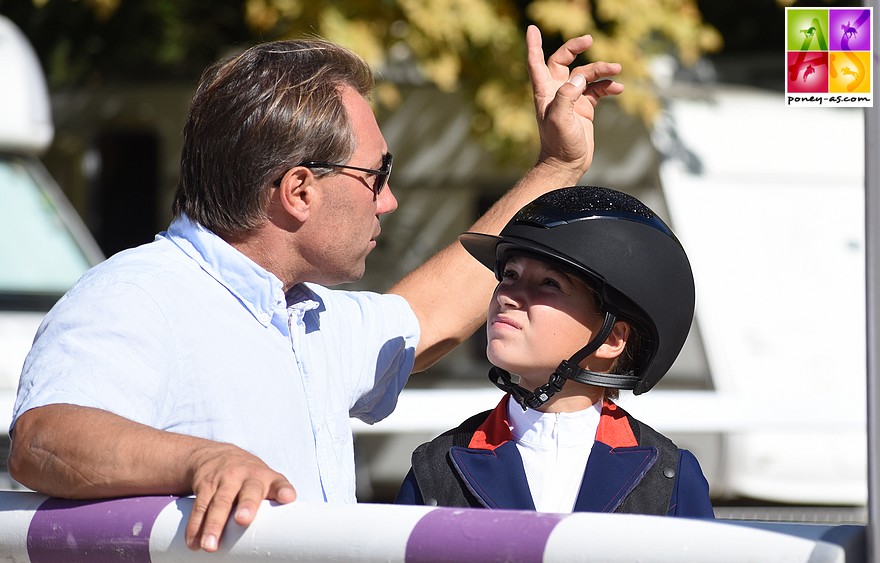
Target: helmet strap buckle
[(526, 399)]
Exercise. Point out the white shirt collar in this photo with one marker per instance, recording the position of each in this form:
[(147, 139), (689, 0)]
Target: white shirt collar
[(259, 290), (564, 429)]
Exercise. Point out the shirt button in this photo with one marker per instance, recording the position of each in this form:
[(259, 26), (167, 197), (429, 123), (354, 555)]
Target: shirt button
[(264, 318)]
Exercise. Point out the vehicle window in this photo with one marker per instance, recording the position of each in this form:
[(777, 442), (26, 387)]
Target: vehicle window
[(38, 254)]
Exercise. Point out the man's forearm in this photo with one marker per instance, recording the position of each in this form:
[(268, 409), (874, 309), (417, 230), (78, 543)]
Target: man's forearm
[(77, 452), (542, 178)]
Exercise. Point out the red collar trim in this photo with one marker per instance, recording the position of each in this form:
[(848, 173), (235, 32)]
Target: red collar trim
[(495, 430), (614, 429)]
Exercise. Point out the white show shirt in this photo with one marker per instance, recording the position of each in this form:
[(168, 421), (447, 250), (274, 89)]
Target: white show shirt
[(187, 334), (554, 448)]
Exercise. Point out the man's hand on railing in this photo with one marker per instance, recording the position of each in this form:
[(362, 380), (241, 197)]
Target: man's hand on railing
[(226, 477)]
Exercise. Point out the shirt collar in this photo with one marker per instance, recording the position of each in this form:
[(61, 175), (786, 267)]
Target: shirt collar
[(260, 291), (564, 428)]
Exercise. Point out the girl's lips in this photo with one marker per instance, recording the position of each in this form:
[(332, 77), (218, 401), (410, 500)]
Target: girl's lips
[(501, 319)]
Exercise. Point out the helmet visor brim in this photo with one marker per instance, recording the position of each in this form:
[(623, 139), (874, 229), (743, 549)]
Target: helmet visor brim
[(490, 250)]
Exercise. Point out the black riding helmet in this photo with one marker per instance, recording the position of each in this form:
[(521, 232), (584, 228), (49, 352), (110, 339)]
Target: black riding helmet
[(631, 257)]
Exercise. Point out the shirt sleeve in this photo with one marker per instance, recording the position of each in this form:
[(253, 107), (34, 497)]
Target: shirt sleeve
[(380, 334), (106, 344), (397, 335)]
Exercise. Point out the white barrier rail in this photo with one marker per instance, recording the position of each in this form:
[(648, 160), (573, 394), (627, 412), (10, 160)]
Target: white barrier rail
[(706, 412), (37, 529)]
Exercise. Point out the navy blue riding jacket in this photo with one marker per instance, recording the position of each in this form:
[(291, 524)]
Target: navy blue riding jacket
[(631, 469)]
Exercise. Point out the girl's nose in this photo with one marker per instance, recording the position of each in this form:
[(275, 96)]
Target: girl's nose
[(508, 296)]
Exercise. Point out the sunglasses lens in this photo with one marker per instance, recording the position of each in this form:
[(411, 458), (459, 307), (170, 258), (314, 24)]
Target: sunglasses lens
[(382, 179)]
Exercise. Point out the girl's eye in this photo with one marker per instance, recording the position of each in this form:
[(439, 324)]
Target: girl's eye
[(509, 275), (552, 283)]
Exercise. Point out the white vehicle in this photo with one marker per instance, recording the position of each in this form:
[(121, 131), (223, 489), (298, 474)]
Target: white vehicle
[(44, 246)]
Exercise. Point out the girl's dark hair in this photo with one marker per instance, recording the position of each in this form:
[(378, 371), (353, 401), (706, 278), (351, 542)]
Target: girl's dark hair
[(628, 360)]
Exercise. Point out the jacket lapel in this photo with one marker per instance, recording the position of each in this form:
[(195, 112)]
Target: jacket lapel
[(491, 466), (496, 477), (616, 464)]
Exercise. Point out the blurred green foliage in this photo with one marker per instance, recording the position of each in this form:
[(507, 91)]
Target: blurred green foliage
[(476, 46)]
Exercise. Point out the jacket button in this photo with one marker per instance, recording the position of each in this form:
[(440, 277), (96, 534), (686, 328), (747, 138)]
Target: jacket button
[(431, 502), (669, 472)]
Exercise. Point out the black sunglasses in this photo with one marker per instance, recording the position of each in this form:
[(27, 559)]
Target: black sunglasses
[(382, 174)]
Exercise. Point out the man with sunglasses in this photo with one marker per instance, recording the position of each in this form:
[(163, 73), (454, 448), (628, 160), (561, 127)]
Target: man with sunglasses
[(215, 360)]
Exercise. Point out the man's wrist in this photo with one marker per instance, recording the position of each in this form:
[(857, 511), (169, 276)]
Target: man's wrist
[(557, 173)]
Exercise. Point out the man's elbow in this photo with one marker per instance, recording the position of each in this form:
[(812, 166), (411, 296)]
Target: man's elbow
[(17, 466), (20, 462), (25, 463)]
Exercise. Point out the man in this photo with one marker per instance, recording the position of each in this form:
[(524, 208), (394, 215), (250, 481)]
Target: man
[(214, 361)]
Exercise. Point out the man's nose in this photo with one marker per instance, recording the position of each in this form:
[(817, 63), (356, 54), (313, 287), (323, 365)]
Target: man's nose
[(387, 203)]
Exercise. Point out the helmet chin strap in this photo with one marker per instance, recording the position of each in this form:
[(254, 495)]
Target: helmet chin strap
[(568, 369)]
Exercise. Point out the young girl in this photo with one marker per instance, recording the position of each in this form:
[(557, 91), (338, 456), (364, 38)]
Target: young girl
[(595, 294)]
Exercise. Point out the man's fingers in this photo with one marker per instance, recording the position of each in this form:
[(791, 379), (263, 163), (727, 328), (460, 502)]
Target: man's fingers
[(226, 477), (591, 80), (577, 86), (560, 60), (216, 517), (597, 70), (251, 496), (602, 88), (535, 57), (534, 50), (196, 518), (282, 491)]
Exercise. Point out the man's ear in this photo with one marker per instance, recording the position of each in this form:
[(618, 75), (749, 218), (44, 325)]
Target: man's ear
[(296, 193), (616, 341)]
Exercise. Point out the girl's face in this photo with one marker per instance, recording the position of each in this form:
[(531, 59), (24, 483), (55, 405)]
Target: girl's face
[(539, 316)]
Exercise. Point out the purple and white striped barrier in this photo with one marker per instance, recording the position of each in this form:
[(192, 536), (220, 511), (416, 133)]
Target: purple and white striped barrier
[(37, 529)]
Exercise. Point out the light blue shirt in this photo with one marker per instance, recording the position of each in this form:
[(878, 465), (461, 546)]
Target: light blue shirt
[(187, 334)]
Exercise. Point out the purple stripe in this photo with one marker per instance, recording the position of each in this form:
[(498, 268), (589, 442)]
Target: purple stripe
[(448, 534), (94, 531)]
